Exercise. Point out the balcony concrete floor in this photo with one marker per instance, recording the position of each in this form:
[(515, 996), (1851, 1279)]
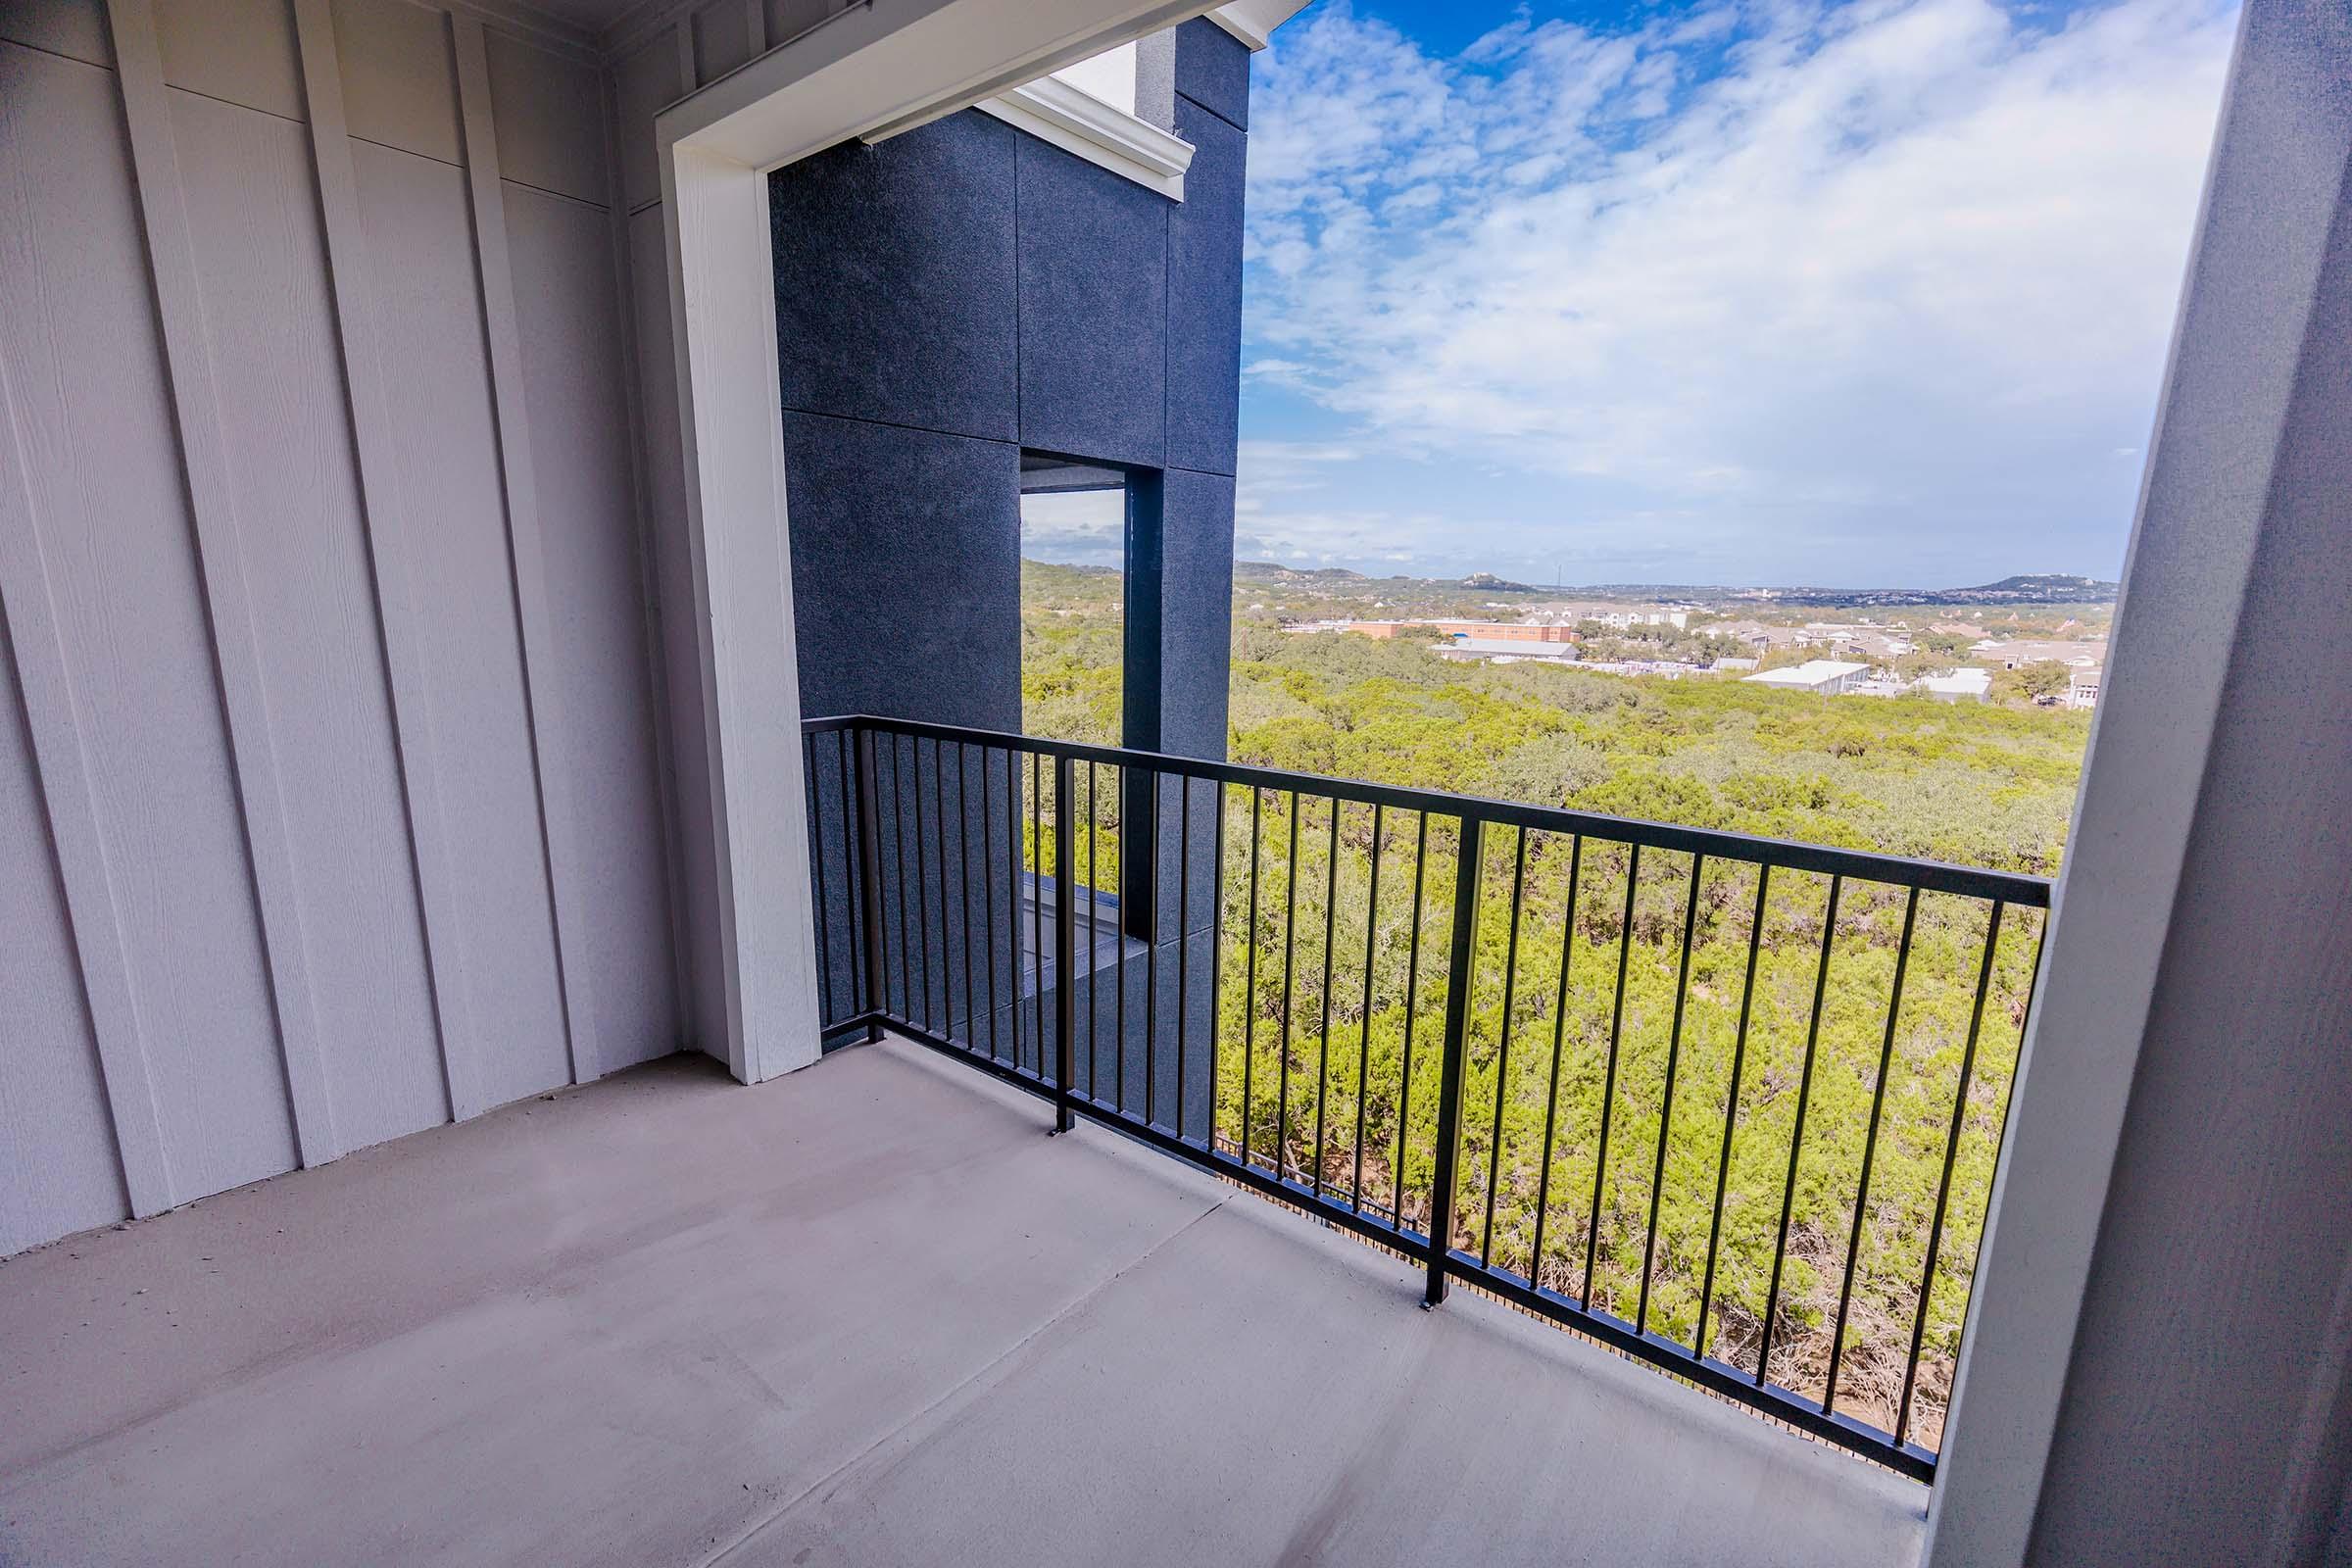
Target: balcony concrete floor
[(868, 1313)]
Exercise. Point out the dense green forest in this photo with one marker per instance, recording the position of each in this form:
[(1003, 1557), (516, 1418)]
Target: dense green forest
[(1582, 982)]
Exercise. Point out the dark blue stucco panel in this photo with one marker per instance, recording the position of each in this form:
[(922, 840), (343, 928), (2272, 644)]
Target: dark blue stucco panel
[(906, 572), (1094, 310), (1195, 611), (1213, 69), (1204, 297), (895, 278)]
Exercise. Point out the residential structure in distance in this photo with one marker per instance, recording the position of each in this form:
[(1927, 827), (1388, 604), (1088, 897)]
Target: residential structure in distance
[(1507, 650), (1828, 676), (1967, 684)]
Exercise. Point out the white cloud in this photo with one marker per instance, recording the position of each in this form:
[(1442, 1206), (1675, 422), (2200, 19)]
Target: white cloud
[(1851, 272), (1075, 527)]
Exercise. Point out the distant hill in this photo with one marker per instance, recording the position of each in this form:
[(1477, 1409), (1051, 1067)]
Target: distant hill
[(1281, 573), (2038, 588), (2029, 588)]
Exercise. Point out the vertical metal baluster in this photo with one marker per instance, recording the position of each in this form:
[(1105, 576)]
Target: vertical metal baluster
[(947, 946), (1609, 1095), (1330, 904), (1870, 1148), (1065, 942), (1093, 1009), (1289, 944), (1674, 1049), (1943, 1189), (922, 880), (1013, 895), (869, 875), (1150, 962), (1797, 1139), (1184, 936), (1502, 1057), (1731, 1108), (817, 856), (963, 885), (1249, 976), (1363, 1038), (860, 985), (1551, 1097), (1037, 897), (1118, 932), (1412, 984), (988, 902), (1217, 961), (898, 840), (1461, 971)]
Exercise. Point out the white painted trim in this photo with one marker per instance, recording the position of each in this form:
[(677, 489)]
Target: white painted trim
[(884, 63), (220, 554), (61, 761), (1077, 122), (389, 541), (732, 430), (524, 21), (1253, 20), (562, 847)]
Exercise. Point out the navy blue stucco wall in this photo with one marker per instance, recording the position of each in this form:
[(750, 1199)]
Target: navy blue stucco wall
[(944, 301), (960, 292)]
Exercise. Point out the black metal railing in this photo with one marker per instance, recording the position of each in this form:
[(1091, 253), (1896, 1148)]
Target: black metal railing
[(1728, 1105)]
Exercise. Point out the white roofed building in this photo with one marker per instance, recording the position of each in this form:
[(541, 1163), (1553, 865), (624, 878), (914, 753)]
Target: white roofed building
[(1828, 676)]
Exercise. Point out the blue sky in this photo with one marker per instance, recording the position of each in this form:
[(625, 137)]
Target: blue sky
[(1840, 292)]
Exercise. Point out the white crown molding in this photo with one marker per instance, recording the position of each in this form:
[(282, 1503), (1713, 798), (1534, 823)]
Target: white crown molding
[(531, 23), (1078, 123), (1253, 20)]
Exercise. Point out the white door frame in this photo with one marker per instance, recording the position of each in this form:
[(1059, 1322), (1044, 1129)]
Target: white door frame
[(886, 63)]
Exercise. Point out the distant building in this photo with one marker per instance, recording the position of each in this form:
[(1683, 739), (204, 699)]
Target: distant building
[(1486, 630), (1670, 668), (1506, 649), (1828, 676), (2017, 654), (2082, 687), (1734, 665), (1960, 686)]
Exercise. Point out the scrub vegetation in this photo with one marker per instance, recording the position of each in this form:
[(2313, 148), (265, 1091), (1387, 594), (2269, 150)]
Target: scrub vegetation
[(1591, 1027)]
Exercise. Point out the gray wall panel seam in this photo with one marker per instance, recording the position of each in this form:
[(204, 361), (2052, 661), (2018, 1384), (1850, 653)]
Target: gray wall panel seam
[(897, 424), (1207, 109), (38, 49), (648, 579), (559, 836), (211, 501), (399, 625), (61, 762)]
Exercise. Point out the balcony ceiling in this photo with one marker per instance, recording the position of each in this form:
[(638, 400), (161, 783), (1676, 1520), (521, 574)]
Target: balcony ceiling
[(867, 1313)]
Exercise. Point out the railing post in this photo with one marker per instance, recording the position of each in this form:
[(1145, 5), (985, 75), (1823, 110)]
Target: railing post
[(1066, 943), (869, 881), (1460, 965)]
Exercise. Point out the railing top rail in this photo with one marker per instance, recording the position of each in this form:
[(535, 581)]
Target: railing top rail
[(1930, 876)]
